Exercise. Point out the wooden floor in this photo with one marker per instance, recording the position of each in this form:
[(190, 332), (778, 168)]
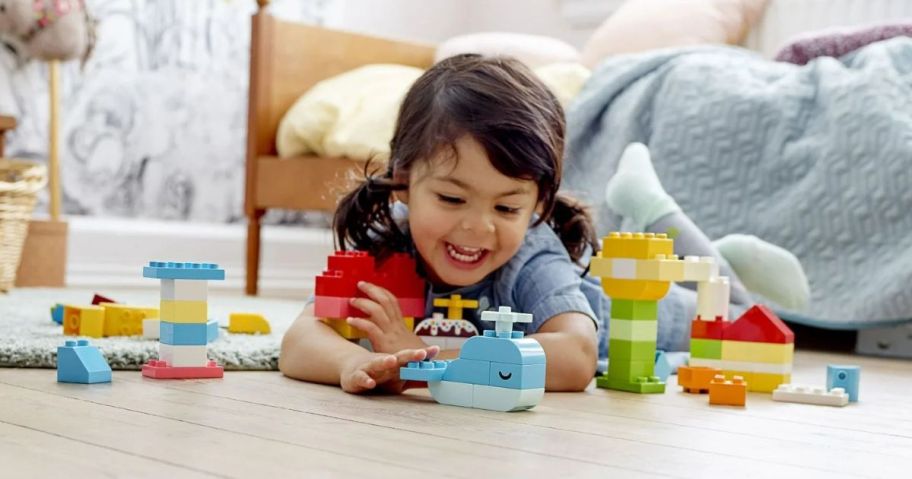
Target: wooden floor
[(255, 424)]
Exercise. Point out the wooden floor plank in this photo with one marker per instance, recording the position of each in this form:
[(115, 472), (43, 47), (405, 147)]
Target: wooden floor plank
[(26, 452)]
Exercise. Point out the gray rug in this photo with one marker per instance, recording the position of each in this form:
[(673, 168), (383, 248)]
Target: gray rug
[(28, 337)]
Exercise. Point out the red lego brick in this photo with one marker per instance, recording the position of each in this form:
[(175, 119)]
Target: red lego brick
[(759, 324), (399, 274), (700, 329), (339, 282), (359, 263), (156, 369), (330, 307), (98, 299)]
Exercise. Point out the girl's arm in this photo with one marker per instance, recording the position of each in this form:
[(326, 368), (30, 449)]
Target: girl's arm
[(312, 351), (571, 350)]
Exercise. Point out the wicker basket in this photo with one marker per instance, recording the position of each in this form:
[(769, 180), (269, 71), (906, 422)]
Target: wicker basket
[(20, 182)]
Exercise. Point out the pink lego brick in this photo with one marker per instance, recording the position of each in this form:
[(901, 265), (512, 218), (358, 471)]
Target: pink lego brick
[(329, 307), (759, 324), (156, 369)]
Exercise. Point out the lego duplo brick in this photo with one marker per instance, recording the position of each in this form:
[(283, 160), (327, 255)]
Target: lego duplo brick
[(810, 395), (713, 297), (634, 310), (635, 289), (454, 305), (187, 334), (700, 268), (636, 245), (184, 311), (125, 320), (631, 350), (97, 299), (184, 290), (759, 324), (713, 329), (248, 323), (760, 381), (515, 376), (399, 274), (80, 362), (846, 377), (630, 370), (493, 398), (183, 356), (177, 270), (83, 321), (633, 330), (696, 379), (516, 351), (706, 348), (757, 352), (156, 369), (472, 371), (730, 392)]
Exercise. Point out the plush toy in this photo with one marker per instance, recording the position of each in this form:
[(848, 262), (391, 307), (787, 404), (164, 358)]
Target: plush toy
[(47, 29)]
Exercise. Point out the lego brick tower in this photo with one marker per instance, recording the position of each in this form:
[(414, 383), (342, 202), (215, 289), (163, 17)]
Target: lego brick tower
[(183, 350)]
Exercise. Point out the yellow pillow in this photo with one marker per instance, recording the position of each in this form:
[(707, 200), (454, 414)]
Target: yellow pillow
[(641, 25), (351, 115), (564, 79)]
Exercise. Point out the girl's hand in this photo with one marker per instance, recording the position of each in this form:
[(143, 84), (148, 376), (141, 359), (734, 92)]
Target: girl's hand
[(381, 371), (384, 326)]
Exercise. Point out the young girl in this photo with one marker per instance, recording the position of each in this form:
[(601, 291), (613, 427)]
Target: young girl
[(471, 191)]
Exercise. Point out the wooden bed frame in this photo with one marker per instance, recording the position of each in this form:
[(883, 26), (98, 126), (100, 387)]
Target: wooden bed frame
[(286, 59), (6, 123)]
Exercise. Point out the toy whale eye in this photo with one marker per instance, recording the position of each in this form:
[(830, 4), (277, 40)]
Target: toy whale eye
[(505, 377)]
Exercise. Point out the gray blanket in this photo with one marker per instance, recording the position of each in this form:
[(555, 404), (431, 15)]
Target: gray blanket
[(814, 158)]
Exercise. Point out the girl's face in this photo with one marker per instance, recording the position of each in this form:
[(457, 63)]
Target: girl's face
[(466, 218)]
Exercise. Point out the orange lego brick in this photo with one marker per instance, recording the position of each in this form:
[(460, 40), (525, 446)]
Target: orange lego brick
[(727, 392), (696, 379)]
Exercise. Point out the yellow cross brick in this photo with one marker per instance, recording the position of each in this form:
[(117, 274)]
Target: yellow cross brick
[(455, 305)]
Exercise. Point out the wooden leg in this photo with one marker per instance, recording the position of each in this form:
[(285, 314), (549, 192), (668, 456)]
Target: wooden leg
[(253, 251)]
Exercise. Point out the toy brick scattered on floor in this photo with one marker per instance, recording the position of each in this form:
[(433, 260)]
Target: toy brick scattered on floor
[(80, 362)]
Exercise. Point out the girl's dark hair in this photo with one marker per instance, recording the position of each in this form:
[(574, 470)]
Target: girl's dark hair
[(502, 105)]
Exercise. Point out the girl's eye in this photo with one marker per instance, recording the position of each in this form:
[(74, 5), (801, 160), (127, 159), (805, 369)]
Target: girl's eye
[(508, 210), (450, 199)]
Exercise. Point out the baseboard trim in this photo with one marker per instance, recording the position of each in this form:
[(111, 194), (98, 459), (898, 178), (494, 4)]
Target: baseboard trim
[(109, 253)]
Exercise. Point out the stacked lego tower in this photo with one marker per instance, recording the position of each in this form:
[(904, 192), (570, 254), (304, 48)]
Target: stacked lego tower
[(339, 283), (757, 346), (184, 334), (636, 270)]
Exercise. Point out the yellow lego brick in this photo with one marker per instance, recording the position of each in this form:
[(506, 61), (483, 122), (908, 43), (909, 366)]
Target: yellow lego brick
[(176, 311), (761, 382), (635, 289), (83, 321), (455, 304), (247, 323), (633, 330), (124, 320), (348, 332), (660, 268), (636, 245), (757, 352)]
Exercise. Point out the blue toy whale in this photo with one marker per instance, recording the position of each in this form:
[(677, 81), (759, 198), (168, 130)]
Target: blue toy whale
[(499, 371)]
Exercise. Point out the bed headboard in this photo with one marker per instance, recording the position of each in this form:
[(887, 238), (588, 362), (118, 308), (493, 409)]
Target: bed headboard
[(287, 58)]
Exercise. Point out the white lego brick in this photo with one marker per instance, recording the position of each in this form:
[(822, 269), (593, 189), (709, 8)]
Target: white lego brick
[(452, 393), (151, 328), (709, 363), (623, 268), (713, 297), (506, 399), (811, 395), (766, 368), (184, 290), (181, 356), (700, 268)]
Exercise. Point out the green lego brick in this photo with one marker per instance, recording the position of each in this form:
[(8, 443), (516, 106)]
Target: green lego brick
[(632, 309), (631, 350), (706, 348), (630, 370), (644, 385)]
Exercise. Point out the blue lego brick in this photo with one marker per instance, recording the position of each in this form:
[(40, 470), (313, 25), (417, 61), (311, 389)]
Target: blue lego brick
[(663, 366), (423, 371), (471, 371), (515, 376), (57, 313), (78, 362), (172, 270), (212, 330), (184, 334), (845, 377), (502, 350)]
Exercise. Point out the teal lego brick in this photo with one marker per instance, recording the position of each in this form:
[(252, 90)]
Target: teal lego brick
[(175, 270), (634, 310), (79, 362)]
